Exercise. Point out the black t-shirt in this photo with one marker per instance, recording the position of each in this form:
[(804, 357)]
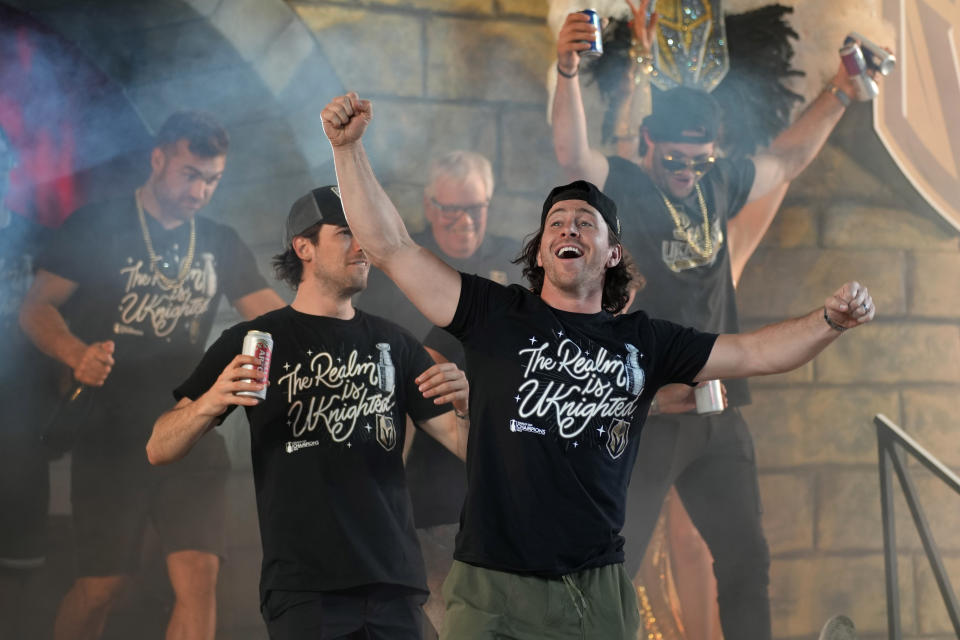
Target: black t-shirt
[(26, 375), (557, 401), (159, 331), (437, 478), (682, 286), (327, 449)]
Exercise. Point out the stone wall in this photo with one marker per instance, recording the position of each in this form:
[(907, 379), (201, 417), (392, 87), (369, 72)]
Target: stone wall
[(853, 215), (446, 74)]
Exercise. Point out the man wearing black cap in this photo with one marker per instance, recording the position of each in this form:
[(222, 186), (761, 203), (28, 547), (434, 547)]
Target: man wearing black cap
[(340, 555), (680, 205), (560, 390)]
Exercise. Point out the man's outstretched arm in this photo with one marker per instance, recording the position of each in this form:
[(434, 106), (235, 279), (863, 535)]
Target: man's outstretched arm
[(432, 285), (570, 142), (797, 146), (786, 345)]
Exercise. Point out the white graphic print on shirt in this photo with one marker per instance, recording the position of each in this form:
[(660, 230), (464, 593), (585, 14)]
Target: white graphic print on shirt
[(149, 305), (568, 388), (338, 393)]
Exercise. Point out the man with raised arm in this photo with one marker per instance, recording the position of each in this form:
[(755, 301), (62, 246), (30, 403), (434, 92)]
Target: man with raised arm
[(691, 220), (561, 387), (340, 555)]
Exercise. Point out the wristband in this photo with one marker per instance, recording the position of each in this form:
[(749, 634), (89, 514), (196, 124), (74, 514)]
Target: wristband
[(462, 416), (840, 94), (839, 328), (565, 74)]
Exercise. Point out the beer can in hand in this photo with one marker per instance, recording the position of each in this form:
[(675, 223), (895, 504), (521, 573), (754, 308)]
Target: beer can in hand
[(865, 87), (596, 45), (709, 398), (258, 344), (875, 56)]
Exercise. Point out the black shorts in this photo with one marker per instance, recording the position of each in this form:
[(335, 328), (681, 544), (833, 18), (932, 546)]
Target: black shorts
[(114, 497), (344, 615), (24, 501)]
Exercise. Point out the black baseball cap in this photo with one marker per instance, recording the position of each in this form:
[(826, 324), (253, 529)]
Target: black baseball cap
[(589, 193), (683, 114), (320, 206)]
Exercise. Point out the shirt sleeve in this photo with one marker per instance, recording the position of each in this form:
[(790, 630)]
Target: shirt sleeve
[(681, 351), (238, 273), (214, 361), (738, 180), (66, 254), (480, 299), (418, 407), (446, 345)]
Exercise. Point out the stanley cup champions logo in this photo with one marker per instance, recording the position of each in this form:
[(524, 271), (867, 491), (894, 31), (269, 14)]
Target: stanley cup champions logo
[(915, 112), (386, 380)]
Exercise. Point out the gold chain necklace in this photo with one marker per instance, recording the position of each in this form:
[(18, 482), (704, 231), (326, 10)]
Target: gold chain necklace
[(166, 282), (707, 251)]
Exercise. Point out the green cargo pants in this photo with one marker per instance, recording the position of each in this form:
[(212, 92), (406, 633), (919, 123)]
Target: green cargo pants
[(596, 604)]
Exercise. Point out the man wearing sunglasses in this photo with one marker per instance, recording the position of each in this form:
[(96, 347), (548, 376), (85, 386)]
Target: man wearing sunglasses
[(679, 202)]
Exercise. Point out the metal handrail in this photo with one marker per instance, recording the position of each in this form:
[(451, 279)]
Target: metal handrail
[(891, 439)]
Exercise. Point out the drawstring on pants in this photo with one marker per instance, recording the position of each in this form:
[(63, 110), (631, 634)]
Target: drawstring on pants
[(579, 600)]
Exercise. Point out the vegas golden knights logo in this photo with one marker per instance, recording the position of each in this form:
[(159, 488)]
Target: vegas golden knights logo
[(386, 432), (915, 113), (617, 437)]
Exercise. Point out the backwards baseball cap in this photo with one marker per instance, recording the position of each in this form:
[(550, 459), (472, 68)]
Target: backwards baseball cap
[(684, 115), (320, 206), (589, 193)]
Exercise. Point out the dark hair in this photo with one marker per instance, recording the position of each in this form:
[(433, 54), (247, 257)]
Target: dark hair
[(287, 266), (205, 136), (616, 280)]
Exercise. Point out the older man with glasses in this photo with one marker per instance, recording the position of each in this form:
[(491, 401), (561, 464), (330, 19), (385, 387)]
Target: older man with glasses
[(456, 203)]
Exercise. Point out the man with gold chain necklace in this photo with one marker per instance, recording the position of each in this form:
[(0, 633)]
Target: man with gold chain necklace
[(125, 296), (677, 200)]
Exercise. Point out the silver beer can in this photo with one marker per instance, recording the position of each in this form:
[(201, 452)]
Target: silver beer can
[(596, 45), (709, 398), (875, 56), (258, 344)]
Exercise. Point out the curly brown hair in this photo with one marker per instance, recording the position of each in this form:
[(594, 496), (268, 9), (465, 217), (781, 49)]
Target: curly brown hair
[(616, 280)]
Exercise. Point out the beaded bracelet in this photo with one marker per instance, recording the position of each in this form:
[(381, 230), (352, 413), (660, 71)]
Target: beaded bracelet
[(565, 74), (833, 325)]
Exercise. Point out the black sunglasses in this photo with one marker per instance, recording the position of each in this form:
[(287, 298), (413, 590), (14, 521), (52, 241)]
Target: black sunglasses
[(451, 212), (699, 165)]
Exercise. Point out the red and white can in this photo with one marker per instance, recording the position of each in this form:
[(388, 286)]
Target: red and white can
[(258, 344)]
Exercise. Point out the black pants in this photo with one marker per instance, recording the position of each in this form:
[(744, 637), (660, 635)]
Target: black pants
[(711, 461), (316, 615)]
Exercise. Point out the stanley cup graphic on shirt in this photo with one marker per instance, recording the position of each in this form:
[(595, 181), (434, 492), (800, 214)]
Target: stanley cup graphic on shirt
[(209, 275), (386, 372), (633, 371)]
